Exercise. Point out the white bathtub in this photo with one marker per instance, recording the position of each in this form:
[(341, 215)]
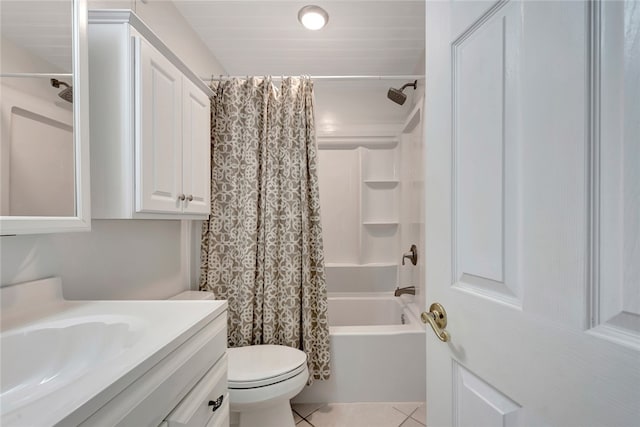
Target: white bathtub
[(374, 356)]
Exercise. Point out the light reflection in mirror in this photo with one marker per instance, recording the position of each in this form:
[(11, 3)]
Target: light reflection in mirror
[(37, 143)]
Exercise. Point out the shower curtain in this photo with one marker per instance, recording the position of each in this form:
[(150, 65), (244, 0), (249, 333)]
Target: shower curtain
[(262, 245)]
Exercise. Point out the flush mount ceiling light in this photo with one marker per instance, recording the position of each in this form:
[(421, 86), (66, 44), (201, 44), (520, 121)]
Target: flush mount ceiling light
[(313, 17)]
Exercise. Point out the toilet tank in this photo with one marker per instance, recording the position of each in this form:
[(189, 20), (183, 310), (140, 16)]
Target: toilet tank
[(194, 295)]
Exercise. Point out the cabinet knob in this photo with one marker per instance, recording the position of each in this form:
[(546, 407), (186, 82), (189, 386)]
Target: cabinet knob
[(182, 197), (190, 197), (216, 404)]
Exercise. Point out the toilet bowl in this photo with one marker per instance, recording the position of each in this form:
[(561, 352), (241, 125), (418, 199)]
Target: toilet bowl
[(261, 380)]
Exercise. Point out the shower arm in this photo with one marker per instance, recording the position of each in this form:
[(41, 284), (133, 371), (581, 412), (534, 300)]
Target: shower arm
[(414, 85)]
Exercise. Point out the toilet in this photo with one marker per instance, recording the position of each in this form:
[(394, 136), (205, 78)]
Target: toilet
[(261, 380)]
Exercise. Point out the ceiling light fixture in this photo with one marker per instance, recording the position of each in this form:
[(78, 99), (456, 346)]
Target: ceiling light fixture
[(313, 17)]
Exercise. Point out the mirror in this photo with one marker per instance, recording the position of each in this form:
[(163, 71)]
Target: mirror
[(44, 159)]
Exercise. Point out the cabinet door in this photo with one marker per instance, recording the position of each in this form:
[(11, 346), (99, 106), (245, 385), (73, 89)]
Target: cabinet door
[(196, 149), (158, 124)]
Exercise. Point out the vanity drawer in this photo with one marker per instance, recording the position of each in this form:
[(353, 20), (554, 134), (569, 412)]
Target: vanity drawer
[(195, 409), (220, 420)]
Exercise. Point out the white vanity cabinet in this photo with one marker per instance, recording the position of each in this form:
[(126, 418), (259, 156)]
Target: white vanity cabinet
[(188, 388), (150, 151), (111, 363)]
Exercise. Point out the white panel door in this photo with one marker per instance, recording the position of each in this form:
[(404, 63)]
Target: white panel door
[(196, 149), (532, 217), (159, 131)]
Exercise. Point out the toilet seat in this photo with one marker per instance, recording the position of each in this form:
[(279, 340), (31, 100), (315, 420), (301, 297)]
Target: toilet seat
[(262, 365)]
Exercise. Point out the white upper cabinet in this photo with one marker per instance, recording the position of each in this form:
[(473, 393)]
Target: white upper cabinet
[(152, 149)]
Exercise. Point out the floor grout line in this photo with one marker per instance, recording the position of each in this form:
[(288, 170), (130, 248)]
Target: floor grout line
[(407, 416), (305, 418), (415, 419), (308, 422), (411, 415)]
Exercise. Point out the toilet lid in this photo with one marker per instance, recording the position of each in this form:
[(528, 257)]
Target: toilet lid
[(260, 365)]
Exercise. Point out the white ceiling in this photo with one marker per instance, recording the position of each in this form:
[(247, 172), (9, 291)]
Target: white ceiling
[(265, 37)]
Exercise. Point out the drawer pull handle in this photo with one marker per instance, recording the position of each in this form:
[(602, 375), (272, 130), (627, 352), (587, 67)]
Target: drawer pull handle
[(216, 404)]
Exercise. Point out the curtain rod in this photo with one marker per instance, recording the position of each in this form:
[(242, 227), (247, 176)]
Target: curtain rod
[(334, 78)]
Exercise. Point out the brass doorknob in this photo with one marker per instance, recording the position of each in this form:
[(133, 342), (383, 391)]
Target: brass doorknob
[(437, 318)]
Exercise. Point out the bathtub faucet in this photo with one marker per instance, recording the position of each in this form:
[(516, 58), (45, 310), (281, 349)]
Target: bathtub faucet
[(410, 290)]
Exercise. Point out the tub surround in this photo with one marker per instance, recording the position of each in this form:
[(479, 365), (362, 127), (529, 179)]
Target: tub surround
[(350, 277), (359, 195), (63, 361), (371, 185)]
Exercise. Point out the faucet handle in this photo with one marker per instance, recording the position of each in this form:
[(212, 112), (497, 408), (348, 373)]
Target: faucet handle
[(412, 255)]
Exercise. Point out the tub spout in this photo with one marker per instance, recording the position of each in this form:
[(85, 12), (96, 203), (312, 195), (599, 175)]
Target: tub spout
[(410, 290)]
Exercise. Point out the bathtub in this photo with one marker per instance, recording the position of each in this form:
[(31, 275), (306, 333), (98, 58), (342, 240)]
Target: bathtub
[(377, 352)]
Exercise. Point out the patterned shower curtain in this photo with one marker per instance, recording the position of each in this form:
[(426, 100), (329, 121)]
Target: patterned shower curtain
[(262, 245)]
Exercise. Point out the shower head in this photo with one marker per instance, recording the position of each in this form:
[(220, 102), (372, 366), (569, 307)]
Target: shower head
[(397, 95), (66, 93)]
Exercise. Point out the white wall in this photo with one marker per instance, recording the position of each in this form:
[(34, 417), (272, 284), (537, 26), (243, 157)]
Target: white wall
[(118, 259)]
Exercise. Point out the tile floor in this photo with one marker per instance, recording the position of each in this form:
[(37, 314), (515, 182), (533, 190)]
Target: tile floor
[(405, 414)]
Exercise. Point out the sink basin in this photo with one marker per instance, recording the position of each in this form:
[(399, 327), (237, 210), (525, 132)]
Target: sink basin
[(41, 358), (61, 361)]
